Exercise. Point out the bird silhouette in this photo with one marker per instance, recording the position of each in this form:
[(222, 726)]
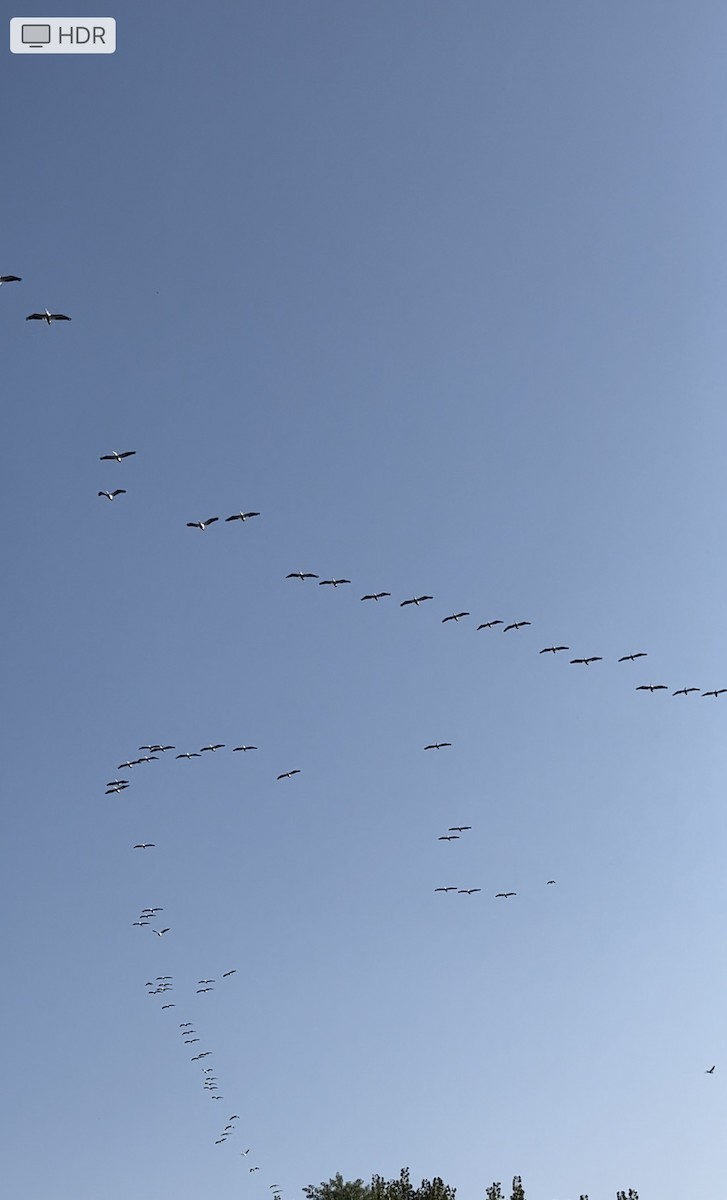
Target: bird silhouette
[(114, 456), (684, 691), (114, 494), (516, 625), (454, 617), (202, 524), (415, 600), (376, 596)]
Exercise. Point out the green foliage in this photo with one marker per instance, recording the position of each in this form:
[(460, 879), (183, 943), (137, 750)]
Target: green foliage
[(338, 1189), (494, 1192), (517, 1189), (403, 1189)]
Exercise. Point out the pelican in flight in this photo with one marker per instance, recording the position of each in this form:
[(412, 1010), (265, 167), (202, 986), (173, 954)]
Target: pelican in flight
[(553, 649), (47, 317), (718, 692), (10, 279), (333, 582), (652, 687), (415, 600), (144, 846), (469, 891), (504, 895), (161, 932), (516, 625), (234, 748), (288, 774), (711, 1070), (632, 657), (489, 625), (202, 524), (549, 881), (459, 828), (114, 494), (114, 456), (588, 661), (226, 975), (684, 691), (437, 745), (194, 754), (242, 516), (301, 575), (447, 889), (454, 617), (376, 595), (217, 746), (449, 837)]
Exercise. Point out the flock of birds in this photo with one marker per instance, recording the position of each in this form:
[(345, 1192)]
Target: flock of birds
[(162, 986)]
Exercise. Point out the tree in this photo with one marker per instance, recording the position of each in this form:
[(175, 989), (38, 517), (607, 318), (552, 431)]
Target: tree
[(338, 1189)]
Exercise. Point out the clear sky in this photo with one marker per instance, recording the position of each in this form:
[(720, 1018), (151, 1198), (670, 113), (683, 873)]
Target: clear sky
[(439, 290)]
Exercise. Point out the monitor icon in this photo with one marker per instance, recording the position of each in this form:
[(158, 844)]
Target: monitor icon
[(35, 36)]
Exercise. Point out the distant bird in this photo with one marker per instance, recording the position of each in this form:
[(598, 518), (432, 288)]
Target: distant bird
[(447, 889), (376, 595), (155, 910), (631, 657), (454, 617), (47, 317), (220, 1141), (124, 765), (333, 582), (234, 748), (228, 973), (504, 895), (684, 691), (117, 782), (161, 932), (206, 981), (144, 846), (588, 661), (489, 625), (288, 774), (301, 575), (139, 922), (652, 687), (242, 516), (516, 625), (145, 758), (711, 1070), (469, 891), (200, 991), (415, 600), (186, 1025), (244, 1153), (192, 755), (450, 837), (234, 1117), (437, 745), (553, 649), (114, 494), (191, 1041), (459, 828), (550, 881), (202, 524), (254, 1169), (10, 279), (217, 746), (114, 456), (715, 694), (168, 1006)]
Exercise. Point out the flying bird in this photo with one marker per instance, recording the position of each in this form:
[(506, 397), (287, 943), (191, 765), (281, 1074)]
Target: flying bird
[(588, 661), (504, 895), (144, 846), (516, 625), (684, 691), (228, 973), (447, 889), (242, 516), (631, 657), (194, 754), (715, 694), (450, 837), (415, 600), (10, 279), (553, 649), (459, 828), (376, 595), (47, 317), (652, 687), (288, 774), (437, 745), (549, 881), (202, 524), (489, 625), (200, 991), (711, 1070), (112, 495), (218, 746), (469, 891), (168, 1006), (333, 582), (301, 575), (234, 748), (454, 617), (114, 456), (161, 932)]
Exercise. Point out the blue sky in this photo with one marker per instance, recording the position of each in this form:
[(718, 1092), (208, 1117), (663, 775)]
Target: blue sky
[(439, 290)]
